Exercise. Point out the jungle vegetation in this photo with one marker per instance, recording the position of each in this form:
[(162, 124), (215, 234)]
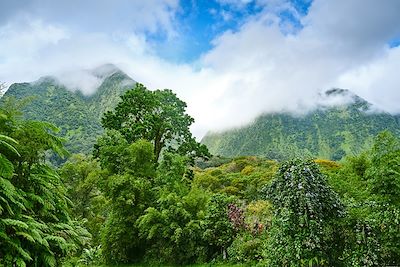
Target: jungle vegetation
[(151, 194)]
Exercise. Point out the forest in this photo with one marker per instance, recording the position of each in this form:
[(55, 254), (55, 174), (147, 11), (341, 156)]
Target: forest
[(149, 194)]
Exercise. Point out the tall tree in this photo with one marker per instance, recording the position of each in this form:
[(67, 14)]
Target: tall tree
[(305, 208), (130, 193), (158, 116), (384, 172)]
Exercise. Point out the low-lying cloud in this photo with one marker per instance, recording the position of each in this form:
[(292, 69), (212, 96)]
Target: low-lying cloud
[(258, 68)]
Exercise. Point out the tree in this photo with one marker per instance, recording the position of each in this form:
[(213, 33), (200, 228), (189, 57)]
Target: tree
[(81, 176), (2, 88), (130, 194), (174, 228), (384, 172), (173, 224), (383, 176), (368, 184), (158, 116), (304, 209), (219, 231)]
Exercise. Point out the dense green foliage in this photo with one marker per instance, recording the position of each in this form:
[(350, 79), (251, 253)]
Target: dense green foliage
[(328, 132), (158, 116), (306, 210), (145, 198), (220, 214), (368, 185), (36, 228)]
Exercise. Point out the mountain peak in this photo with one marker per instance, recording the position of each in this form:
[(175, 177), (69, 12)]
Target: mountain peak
[(105, 70), (337, 91), (342, 97), (74, 101)]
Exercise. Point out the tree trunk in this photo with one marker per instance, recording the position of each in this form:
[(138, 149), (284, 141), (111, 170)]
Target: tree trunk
[(157, 148), (223, 253)]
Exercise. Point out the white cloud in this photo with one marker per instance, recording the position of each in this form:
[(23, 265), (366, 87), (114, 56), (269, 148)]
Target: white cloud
[(98, 15), (355, 24), (235, 3), (272, 71), (377, 81)]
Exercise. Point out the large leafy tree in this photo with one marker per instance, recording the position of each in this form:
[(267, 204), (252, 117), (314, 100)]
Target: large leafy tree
[(130, 193), (158, 116), (173, 224), (305, 208), (384, 172), (219, 231), (81, 176)]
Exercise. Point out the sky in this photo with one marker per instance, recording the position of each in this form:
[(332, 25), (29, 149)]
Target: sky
[(229, 60)]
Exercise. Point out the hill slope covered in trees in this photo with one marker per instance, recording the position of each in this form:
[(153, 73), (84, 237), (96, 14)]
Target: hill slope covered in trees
[(77, 115), (329, 132)]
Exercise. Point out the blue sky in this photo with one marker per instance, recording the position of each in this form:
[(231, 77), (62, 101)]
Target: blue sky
[(230, 60), (202, 21)]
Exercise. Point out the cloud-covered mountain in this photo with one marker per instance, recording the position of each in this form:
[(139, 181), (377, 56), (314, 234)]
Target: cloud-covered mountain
[(63, 102), (331, 131), (341, 124)]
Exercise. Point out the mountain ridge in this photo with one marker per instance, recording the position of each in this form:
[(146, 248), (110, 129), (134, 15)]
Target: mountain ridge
[(341, 124), (77, 115), (331, 131)]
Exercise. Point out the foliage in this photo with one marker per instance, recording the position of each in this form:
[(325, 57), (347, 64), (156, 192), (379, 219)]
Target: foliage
[(247, 248), (174, 228), (384, 172), (129, 192), (35, 224), (370, 191), (91, 256), (81, 176), (243, 177), (236, 217), (157, 116), (219, 231), (305, 208), (327, 132), (77, 115)]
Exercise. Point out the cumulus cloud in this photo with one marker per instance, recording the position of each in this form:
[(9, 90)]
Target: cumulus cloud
[(260, 67), (378, 81), (98, 15), (273, 71)]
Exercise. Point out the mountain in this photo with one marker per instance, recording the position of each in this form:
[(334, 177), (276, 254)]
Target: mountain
[(77, 115), (329, 131)]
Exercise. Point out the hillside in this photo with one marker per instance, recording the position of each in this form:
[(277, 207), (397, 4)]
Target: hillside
[(77, 115), (328, 132)]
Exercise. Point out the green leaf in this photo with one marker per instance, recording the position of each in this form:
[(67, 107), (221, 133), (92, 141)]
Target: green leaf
[(6, 167)]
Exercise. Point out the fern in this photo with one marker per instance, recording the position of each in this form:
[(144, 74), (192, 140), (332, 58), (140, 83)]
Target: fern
[(35, 225), (26, 236), (6, 167), (20, 262), (8, 143), (16, 224), (49, 260)]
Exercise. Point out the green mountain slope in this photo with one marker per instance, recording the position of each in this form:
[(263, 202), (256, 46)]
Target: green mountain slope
[(78, 116), (327, 132)]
